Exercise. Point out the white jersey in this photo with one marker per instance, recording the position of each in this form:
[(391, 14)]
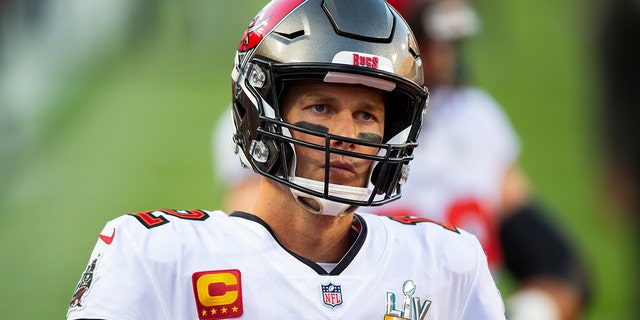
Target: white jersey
[(209, 265), (465, 147)]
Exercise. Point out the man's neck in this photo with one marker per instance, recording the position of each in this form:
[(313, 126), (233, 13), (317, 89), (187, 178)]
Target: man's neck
[(319, 238)]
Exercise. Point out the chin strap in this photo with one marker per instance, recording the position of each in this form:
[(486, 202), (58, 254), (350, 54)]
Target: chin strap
[(318, 205)]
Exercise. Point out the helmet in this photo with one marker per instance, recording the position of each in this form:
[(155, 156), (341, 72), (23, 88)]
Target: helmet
[(332, 41)]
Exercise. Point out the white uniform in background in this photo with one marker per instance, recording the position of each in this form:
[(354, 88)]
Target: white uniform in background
[(209, 265), (465, 147)]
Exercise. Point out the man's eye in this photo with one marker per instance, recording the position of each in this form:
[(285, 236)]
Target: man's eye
[(366, 116), (319, 108)]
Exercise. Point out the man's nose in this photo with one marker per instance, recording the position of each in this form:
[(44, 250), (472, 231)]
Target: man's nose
[(344, 126)]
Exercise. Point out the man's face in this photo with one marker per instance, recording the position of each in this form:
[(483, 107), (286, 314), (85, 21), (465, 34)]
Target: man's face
[(440, 57), (351, 111)]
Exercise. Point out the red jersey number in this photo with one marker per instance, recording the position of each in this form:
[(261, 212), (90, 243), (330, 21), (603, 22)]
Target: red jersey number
[(156, 218)]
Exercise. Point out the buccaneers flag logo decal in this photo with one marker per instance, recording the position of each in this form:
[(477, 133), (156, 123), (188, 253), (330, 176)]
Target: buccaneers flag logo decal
[(265, 21), (83, 286)]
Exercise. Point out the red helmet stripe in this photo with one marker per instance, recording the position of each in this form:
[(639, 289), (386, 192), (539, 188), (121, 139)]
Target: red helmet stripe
[(265, 21)]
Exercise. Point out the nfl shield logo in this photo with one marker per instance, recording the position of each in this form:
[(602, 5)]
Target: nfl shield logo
[(331, 295)]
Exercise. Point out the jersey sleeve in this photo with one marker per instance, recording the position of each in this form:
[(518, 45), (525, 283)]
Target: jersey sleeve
[(484, 300), (117, 283)]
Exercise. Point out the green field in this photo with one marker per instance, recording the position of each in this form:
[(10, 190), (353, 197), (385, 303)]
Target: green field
[(134, 134)]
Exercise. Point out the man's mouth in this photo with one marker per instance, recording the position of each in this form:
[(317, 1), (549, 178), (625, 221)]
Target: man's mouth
[(341, 166)]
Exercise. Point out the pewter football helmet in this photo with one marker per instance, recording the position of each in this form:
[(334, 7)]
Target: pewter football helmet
[(357, 42)]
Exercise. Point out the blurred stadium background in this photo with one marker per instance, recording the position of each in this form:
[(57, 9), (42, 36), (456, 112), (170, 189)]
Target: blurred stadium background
[(107, 108)]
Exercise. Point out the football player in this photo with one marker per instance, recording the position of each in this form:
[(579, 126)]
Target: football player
[(328, 100)]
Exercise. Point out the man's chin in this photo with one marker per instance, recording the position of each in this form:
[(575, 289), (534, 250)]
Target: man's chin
[(346, 182), (341, 177)]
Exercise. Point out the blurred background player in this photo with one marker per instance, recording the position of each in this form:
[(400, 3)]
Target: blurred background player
[(465, 173)]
